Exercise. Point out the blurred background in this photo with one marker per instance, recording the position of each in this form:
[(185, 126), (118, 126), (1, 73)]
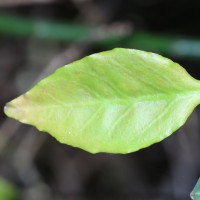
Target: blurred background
[(37, 37)]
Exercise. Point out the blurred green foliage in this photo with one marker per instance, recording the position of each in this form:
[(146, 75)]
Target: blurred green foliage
[(195, 194), (72, 32), (19, 26), (8, 191)]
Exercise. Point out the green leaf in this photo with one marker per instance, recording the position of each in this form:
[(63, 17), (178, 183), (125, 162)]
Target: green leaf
[(117, 101), (195, 194), (8, 191)]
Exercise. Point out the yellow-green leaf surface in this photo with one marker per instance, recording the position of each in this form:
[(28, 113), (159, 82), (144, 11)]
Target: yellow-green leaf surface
[(117, 101)]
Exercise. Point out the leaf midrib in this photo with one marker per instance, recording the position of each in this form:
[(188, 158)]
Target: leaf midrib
[(126, 100)]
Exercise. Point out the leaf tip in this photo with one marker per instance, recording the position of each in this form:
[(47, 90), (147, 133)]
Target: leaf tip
[(9, 109), (13, 109)]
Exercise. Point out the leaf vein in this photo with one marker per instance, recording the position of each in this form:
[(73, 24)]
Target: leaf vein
[(89, 120), (129, 108)]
